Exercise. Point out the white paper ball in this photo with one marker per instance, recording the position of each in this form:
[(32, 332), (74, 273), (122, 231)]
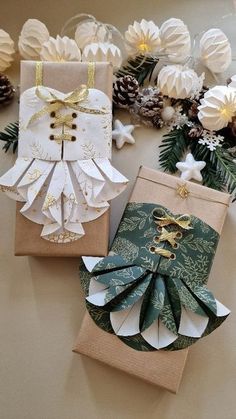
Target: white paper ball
[(177, 81), (33, 34), (167, 113), (103, 51), (60, 49), (215, 50), (175, 39), (217, 107), (142, 38), (6, 50), (88, 33)]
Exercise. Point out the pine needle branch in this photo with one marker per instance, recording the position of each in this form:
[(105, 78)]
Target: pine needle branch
[(173, 147), (227, 167), (140, 67), (10, 136)]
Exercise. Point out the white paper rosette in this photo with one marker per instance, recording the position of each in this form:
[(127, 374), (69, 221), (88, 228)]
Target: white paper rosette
[(33, 34)]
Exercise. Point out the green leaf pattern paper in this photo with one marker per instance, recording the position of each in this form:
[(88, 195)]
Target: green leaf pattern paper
[(166, 298)]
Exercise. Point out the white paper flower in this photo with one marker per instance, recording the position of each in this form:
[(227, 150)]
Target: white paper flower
[(177, 81), (99, 51), (6, 50), (175, 39), (142, 38), (217, 108), (33, 34), (215, 50), (88, 33), (60, 49)]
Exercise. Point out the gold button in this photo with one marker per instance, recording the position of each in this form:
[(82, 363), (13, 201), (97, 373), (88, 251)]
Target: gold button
[(51, 137), (52, 125), (73, 138), (74, 115), (74, 126), (53, 114)]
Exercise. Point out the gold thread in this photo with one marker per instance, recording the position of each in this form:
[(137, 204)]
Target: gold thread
[(91, 75), (190, 193), (160, 251), (39, 73)]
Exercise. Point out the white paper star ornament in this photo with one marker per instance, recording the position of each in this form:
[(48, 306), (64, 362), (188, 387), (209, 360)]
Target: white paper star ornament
[(121, 134), (190, 168)]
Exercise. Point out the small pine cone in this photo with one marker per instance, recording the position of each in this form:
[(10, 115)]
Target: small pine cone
[(125, 91), (193, 110), (150, 102), (232, 126), (157, 121), (195, 132), (7, 91)]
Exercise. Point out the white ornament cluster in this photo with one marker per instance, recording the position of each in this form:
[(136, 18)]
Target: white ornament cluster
[(90, 43)]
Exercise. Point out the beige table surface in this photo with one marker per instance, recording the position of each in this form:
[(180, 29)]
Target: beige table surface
[(41, 302)]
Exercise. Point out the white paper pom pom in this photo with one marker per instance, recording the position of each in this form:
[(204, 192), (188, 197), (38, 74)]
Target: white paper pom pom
[(167, 113), (175, 39), (142, 38), (88, 33), (33, 34), (6, 50), (60, 49), (215, 50), (99, 51), (217, 107), (177, 81)]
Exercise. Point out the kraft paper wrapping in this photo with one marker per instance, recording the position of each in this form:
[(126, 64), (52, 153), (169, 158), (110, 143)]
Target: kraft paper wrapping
[(64, 77), (161, 368)]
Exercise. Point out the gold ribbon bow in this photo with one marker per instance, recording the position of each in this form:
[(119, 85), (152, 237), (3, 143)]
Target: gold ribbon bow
[(162, 219), (55, 103)]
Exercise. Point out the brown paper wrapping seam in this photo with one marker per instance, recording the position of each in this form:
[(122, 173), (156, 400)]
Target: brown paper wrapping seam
[(161, 368), (64, 77)]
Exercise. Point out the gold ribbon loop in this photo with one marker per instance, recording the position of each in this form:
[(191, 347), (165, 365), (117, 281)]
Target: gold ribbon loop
[(54, 103), (162, 219)]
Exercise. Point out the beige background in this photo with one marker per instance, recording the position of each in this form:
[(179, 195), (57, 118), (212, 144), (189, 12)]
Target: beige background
[(41, 303)]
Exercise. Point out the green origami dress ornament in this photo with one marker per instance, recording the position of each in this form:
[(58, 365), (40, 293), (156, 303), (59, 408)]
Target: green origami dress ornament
[(151, 289)]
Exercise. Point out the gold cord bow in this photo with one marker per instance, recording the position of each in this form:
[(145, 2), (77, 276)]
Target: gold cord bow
[(162, 219), (55, 103)]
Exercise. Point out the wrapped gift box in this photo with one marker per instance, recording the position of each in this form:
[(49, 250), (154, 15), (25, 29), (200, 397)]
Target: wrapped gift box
[(64, 77), (161, 368)]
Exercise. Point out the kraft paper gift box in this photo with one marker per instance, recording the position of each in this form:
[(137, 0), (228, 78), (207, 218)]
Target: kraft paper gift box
[(64, 77), (162, 368)]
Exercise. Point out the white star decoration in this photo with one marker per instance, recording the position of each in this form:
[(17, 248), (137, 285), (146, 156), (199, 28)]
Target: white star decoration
[(122, 134), (191, 168)]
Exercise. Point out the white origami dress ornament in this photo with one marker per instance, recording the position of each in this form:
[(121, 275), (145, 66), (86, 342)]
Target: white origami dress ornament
[(63, 172)]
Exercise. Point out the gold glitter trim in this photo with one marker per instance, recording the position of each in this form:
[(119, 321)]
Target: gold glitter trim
[(39, 73), (91, 74), (49, 201)]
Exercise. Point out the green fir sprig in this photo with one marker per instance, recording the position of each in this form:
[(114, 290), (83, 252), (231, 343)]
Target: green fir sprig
[(140, 67), (220, 170), (10, 136)]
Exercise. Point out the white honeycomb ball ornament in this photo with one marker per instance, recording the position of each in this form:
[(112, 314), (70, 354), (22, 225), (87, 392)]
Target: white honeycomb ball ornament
[(142, 38), (217, 108), (6, 50), (33, 34), (175, 40), (103, 51), (215, 50), (177, 81), (60, 49), (88, 33)]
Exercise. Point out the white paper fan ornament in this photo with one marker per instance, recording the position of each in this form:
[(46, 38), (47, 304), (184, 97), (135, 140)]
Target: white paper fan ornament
[(175, 39), (142, 38), (103, 51), (60, 49), (33, 34), (217, 107), (215, 50), (178, 82), (89, 32), (6, 50)]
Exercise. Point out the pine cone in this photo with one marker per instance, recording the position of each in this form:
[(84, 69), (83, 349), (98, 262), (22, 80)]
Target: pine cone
[(150, 102), (195, 132), (125, 91), (7, 91), (193, 110), (157, 121)]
